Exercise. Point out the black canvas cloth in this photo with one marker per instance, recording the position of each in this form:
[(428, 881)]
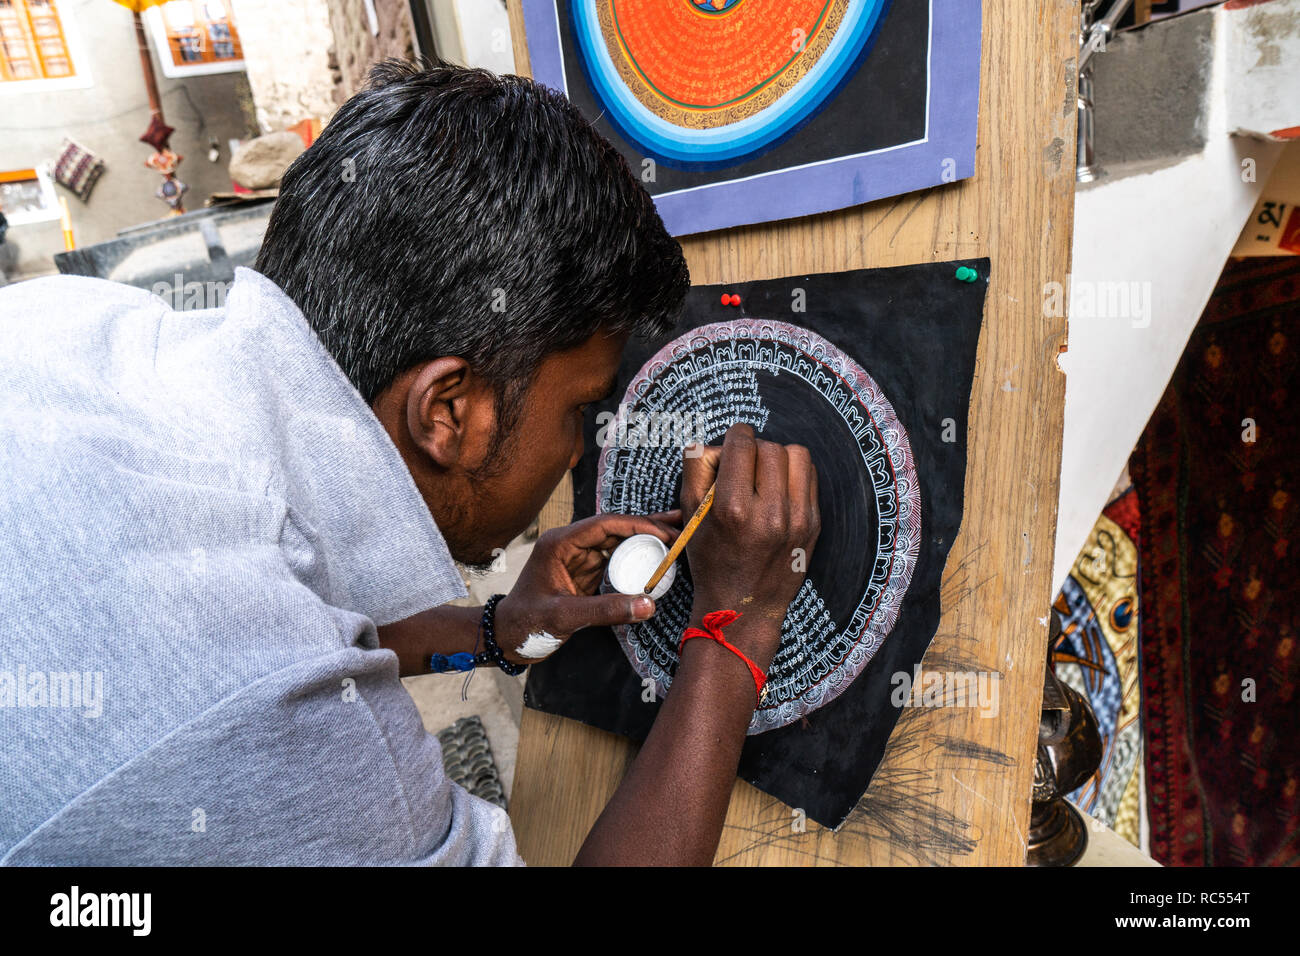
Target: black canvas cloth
[(914, 330)]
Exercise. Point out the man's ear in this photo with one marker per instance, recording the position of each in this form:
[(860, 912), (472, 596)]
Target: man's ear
[(439, 405)]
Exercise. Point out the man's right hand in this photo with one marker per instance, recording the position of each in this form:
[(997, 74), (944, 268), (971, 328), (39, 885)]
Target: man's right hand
[(670, 807), (745, 553)]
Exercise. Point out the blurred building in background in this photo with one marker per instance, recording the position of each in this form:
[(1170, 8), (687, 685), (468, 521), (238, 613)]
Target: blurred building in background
[(74, 102)]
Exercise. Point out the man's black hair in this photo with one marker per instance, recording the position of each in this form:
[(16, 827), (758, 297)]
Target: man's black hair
[(451, 211)]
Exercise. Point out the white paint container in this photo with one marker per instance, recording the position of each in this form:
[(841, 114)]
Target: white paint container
[(632, 563)]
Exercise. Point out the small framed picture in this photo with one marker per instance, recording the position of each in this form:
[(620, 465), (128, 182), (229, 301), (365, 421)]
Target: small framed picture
[(26, 196)]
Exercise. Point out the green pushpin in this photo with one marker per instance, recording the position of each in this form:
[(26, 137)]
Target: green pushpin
[(966, 274)]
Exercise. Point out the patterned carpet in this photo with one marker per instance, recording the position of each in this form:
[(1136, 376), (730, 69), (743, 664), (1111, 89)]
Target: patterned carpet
[(1217, 485)]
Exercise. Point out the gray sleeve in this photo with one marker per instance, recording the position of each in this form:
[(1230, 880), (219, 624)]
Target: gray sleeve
[(323, 763)]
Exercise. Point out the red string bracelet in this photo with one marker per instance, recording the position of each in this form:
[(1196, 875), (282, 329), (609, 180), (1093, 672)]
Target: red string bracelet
[(714, 622)]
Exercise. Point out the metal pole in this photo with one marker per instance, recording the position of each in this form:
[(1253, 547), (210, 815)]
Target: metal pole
[(1093, 35), (146, 65)]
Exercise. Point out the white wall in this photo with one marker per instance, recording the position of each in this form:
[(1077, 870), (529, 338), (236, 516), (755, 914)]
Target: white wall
[(287, 46), (1167, 234), (485, 35), (473, 33)]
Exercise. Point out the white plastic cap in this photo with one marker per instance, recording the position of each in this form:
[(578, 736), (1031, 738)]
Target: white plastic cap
[(632, 563)]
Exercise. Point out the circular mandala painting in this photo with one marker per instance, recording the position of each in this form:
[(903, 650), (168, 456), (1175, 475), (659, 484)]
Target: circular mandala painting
[(792, 386), (710, 83)]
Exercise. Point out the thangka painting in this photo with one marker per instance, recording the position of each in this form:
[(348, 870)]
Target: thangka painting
[(741, 111), (871, 370), (1097, 655)]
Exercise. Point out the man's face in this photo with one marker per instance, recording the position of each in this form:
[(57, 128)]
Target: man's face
[(485, 488), (545, 442)]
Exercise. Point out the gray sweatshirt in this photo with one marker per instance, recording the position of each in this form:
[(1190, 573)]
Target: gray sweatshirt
[(201, 525)]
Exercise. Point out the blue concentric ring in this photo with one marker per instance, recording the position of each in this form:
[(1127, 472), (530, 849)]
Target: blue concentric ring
[(736, 142)]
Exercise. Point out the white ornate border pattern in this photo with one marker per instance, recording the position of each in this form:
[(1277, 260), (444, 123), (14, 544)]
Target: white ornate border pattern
[(779, 347)]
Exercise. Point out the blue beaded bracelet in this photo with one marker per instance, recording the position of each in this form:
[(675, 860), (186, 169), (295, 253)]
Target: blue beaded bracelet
[(494, 654)]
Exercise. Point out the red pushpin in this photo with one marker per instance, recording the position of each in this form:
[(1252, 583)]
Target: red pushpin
[(735, 299), (726, 299)]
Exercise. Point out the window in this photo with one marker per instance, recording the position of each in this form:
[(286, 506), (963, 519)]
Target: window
[(196, 36), (27, 195), (32, 42)]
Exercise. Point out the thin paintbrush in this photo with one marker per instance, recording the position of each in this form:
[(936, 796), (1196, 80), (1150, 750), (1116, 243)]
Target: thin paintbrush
[(682, 538)]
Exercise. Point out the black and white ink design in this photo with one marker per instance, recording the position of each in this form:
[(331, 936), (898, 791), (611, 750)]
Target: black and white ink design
[(721, 374)]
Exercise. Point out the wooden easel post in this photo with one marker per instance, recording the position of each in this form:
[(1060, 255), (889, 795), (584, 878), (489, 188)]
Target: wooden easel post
[(954, 786)]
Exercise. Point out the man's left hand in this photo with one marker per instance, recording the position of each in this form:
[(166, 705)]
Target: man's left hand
[(556, 593)]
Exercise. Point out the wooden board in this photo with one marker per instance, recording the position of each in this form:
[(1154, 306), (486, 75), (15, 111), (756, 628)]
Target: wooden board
[(953, 786)]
